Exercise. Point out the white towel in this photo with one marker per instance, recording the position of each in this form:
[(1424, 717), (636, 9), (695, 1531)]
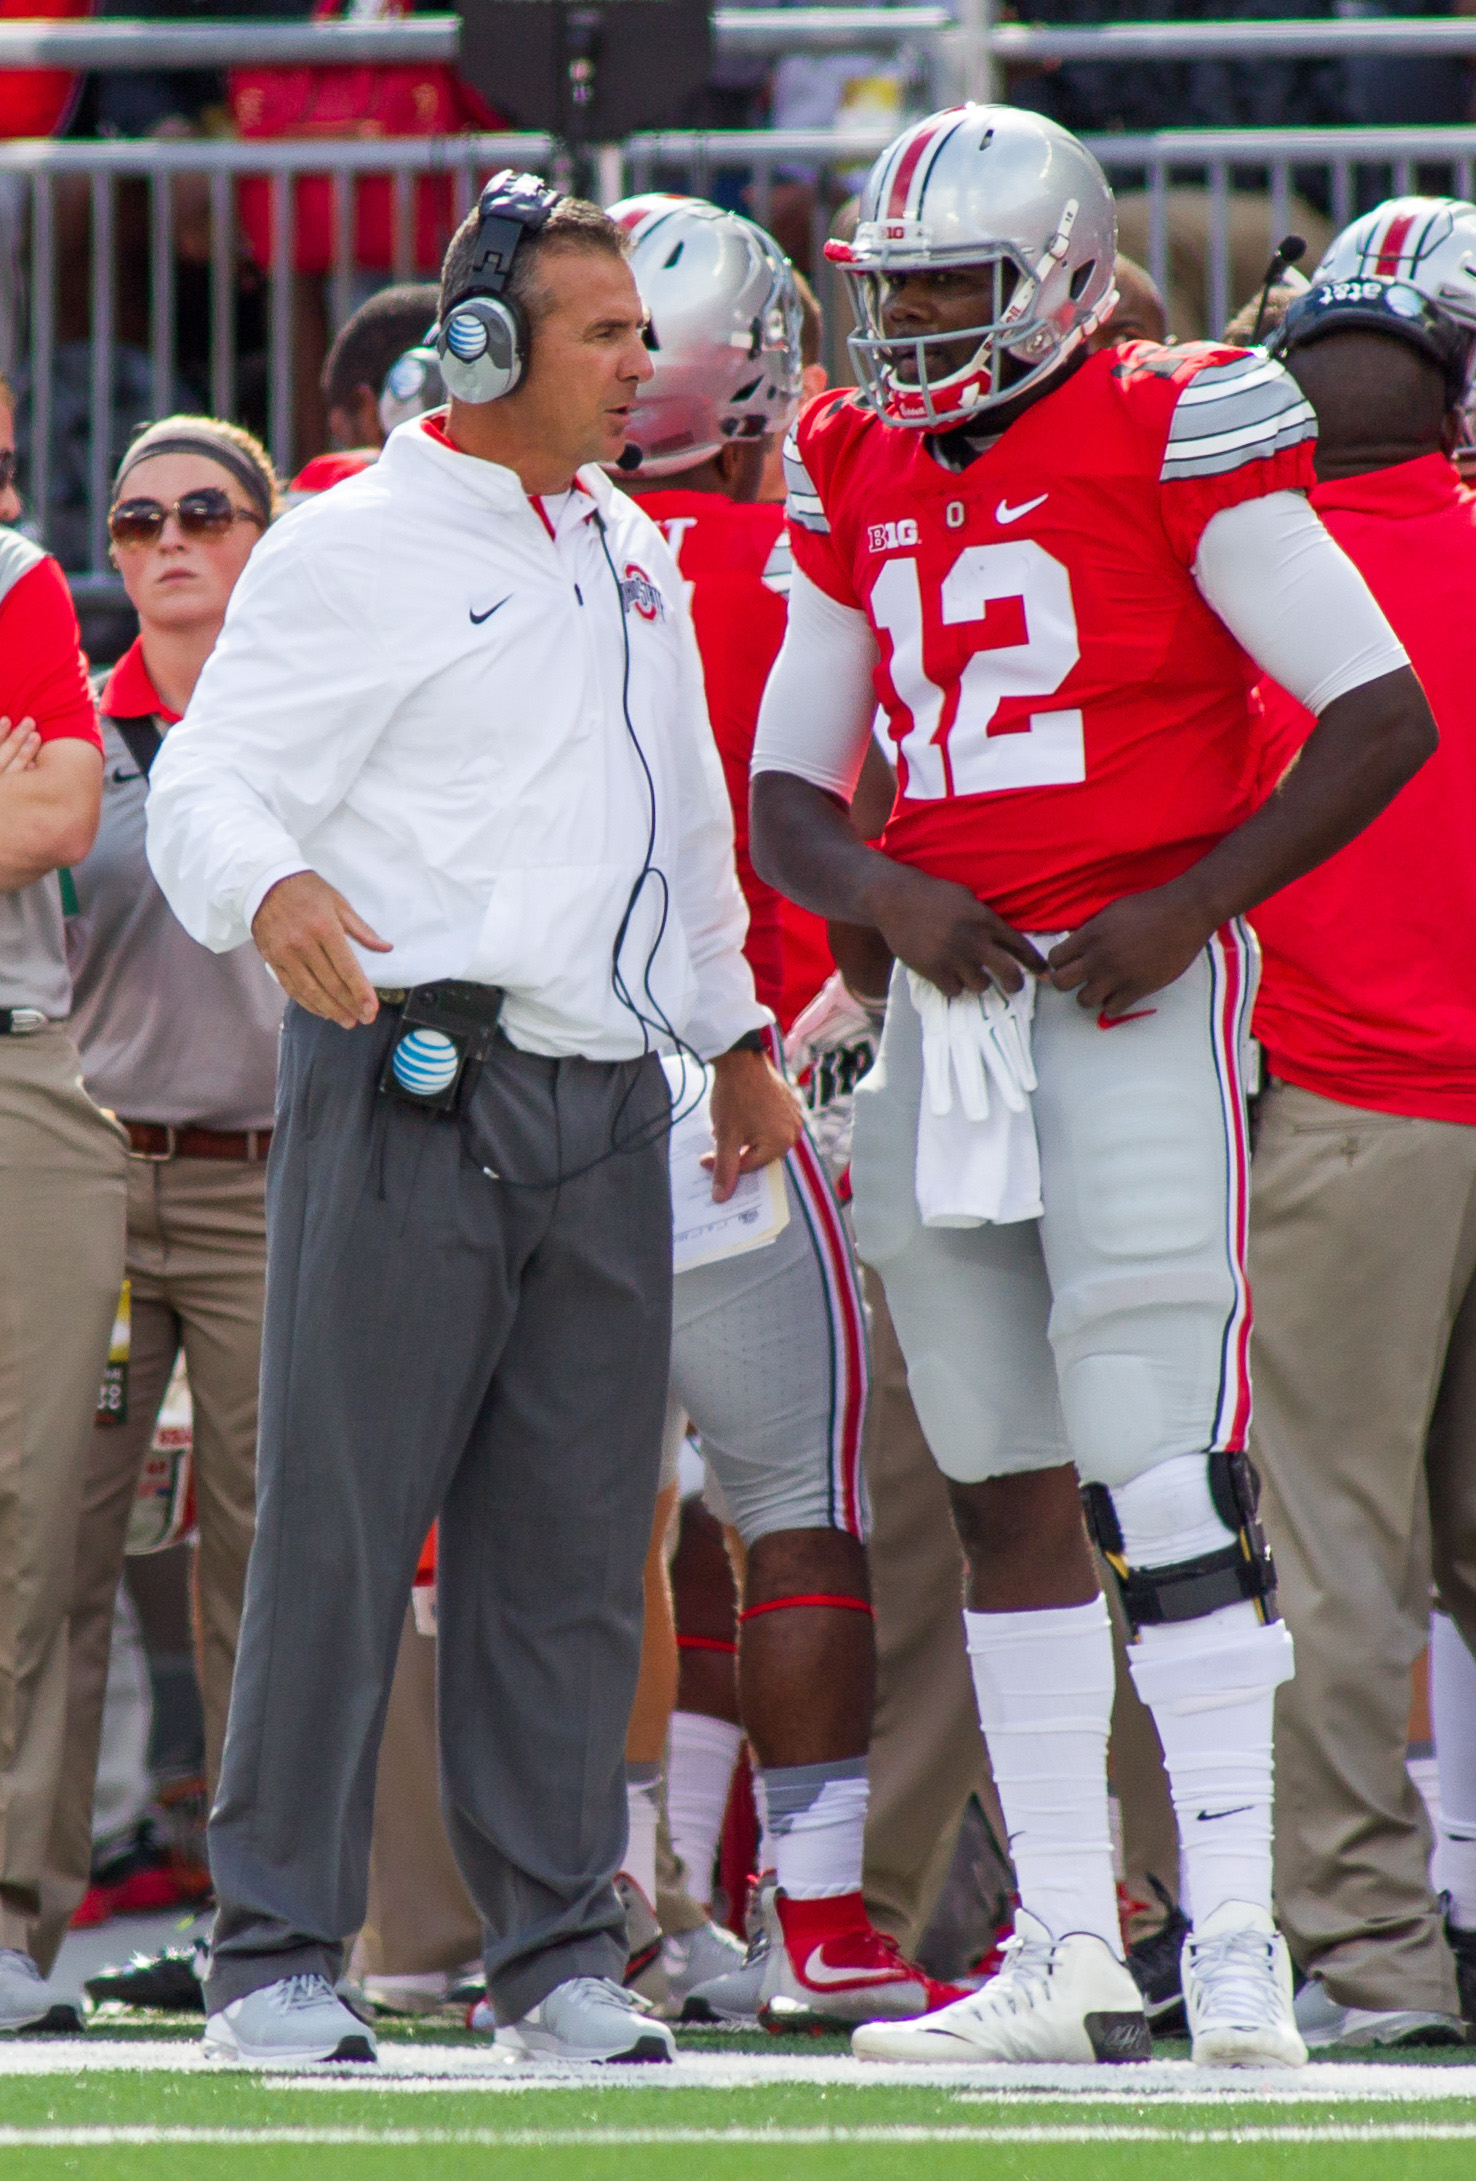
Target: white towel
[(978, 1162)]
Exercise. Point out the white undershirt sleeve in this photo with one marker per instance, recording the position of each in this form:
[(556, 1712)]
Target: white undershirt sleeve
[(815, 719), (1291, 597)]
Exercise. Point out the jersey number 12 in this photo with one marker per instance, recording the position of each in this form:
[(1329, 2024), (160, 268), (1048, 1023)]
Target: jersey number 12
[(948, 746)]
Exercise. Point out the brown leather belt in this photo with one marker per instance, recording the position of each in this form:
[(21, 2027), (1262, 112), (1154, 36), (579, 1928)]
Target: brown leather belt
[(151, 1140)]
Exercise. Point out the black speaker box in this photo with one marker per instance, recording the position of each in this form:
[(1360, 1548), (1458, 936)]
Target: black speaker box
[(589, 73)]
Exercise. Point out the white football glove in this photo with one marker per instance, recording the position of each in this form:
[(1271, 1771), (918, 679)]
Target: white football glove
[(973, 1037)]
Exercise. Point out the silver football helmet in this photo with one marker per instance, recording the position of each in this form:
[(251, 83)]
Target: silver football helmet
[(994, 187), (1430, 242), (724, 332), (412, 385)]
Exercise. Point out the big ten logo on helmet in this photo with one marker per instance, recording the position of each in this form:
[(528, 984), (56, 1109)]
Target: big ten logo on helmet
[(637, 589), (886, 537)]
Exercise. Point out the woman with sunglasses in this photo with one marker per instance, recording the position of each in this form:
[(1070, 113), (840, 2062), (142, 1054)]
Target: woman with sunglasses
[(182, 1045)]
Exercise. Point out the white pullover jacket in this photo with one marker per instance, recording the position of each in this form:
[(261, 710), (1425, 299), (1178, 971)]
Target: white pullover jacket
[(418, 694)]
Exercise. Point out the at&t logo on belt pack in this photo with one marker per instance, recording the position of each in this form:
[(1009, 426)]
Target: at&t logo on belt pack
[(446, 1032)]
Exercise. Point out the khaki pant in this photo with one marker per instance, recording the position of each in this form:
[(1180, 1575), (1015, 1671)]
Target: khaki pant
[(1363, 1249), (61, 1265), (197, 1261), (927, 1754), (420, 1916)]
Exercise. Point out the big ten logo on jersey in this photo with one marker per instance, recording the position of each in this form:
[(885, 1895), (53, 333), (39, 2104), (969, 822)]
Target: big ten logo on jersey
[(886, 537), (975, 637), (638, 591)]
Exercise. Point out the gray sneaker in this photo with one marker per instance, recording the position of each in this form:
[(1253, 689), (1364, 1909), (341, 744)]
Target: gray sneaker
[(27, 2001), (697, 1957), (734, 1994), (589, 2018), (297, 2022), (1322, 2021)]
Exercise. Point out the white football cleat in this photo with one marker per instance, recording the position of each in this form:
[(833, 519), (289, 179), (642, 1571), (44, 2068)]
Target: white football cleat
[(1238, 1991), (1065, 1999)]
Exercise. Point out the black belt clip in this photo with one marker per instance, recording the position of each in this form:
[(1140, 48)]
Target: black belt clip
[(446, 1032)]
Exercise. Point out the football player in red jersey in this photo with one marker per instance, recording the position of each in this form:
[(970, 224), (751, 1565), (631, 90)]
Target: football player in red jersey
[(768, 1350), (1053, 569)]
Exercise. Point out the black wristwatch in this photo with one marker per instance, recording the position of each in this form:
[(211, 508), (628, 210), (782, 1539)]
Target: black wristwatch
[(752, 1041)]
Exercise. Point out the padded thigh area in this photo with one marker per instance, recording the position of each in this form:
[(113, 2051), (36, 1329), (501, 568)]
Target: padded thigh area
[(1113, 1330)]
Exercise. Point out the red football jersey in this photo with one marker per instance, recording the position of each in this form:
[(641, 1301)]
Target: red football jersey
[(734, 557), (1070, 719), (1364, 997)]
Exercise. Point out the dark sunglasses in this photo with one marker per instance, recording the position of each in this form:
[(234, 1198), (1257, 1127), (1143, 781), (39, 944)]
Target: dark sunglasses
[(7, 468), (208, 513)]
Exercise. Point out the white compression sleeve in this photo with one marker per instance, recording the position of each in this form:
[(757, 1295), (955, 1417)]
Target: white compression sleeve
[(816, 716), (1290, 595)]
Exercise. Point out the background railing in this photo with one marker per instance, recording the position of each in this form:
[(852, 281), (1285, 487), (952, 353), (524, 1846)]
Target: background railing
[(1229, 179), (1197, 206)]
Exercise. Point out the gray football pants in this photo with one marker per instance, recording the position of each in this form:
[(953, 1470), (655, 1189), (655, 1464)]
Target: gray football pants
[(439, 1343), (1112, 1331)]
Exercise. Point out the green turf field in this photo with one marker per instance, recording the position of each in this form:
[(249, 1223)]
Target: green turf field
[(785, 2112)]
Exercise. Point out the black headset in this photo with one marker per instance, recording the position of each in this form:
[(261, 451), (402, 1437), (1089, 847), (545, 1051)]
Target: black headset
[(483, 339), (1372, 305)]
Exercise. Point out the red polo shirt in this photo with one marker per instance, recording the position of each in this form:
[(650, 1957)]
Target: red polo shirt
[(1368, 995), (43, 675)]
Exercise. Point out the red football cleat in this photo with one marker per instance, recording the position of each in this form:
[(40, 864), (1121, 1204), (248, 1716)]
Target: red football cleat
[(829, 1965)]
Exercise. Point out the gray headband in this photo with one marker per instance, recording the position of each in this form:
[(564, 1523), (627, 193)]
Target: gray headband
[(223, 451)]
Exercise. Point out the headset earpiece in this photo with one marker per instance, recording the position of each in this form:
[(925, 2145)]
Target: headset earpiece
[(483, 340), (484, 348)]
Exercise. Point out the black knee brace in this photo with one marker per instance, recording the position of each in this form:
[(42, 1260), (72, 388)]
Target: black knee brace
[(1189, 1589)]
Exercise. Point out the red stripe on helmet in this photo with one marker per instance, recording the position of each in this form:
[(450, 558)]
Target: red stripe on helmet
[(907, 166), (1392, 246)]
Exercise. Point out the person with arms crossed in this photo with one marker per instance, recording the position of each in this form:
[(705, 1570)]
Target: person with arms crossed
[(1363, 1214), (182, 1045), (61, 1207), (453, 735), (1050, 561)]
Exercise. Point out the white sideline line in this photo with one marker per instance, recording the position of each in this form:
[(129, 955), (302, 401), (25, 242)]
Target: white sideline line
[(103, 2138), (425, 2068)]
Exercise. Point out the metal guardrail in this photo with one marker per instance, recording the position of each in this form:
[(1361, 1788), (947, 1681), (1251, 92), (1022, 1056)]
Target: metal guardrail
[(1348, 38), (127, 43), (124, 44), (39, 181)]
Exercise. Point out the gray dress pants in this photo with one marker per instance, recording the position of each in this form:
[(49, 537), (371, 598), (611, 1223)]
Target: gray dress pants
[(493, 1351)]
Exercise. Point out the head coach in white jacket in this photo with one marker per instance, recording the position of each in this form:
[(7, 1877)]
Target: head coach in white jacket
[(450, 766)]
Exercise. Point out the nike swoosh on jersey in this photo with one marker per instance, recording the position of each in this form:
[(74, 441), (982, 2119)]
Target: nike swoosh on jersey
[(478, 618), (1207, 1817), (1004, 513), (1110, 1022), (818, 1971)]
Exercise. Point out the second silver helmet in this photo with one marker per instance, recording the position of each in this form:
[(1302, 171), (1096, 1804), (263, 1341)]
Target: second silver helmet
[(724, 332)]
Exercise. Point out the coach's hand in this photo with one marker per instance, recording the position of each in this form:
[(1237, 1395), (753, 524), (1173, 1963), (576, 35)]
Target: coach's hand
[(1131, 948), (948, 936), (302, 932), (755, 1118)]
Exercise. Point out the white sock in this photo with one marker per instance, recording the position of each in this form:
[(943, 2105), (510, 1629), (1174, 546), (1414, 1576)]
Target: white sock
[(701, 1756), (817, 1818), (1211, 1687), (643, 1806), (1453, 1717), (761, 1812), (1044, 1683)]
